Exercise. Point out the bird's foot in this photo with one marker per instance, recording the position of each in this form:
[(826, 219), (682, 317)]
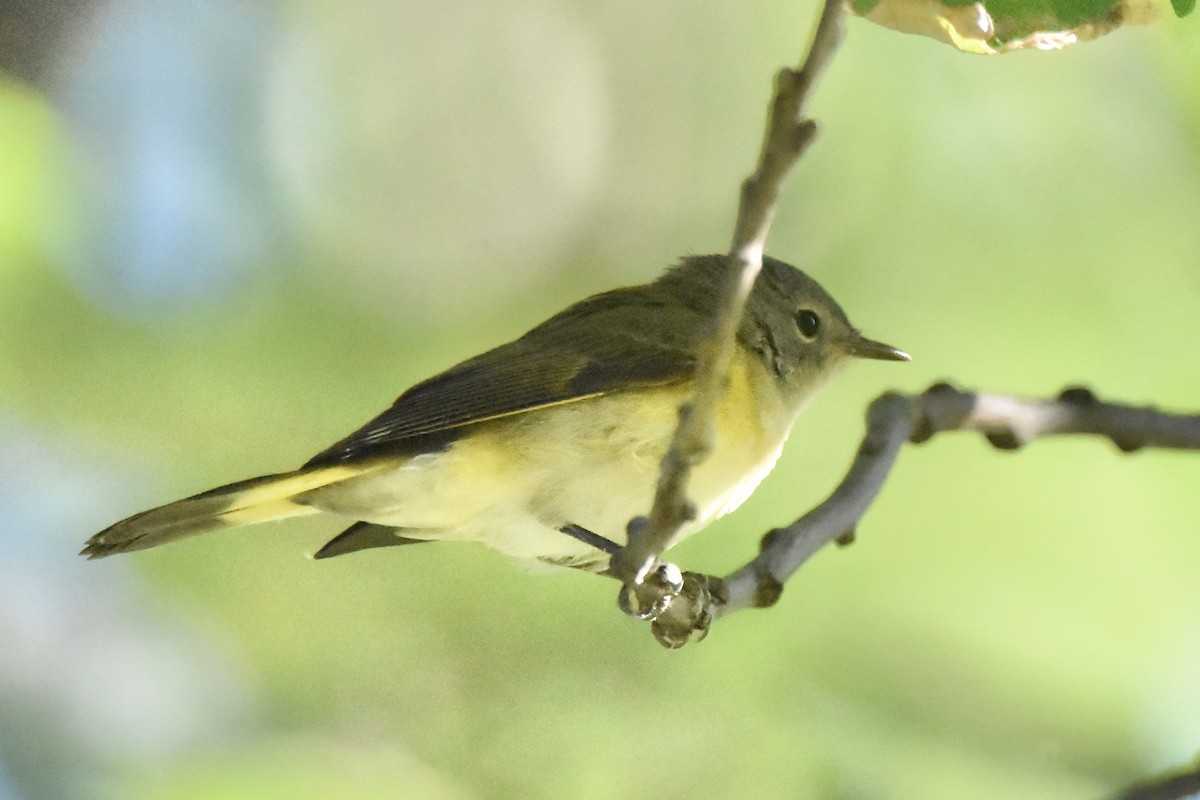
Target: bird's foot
[(680, 605)]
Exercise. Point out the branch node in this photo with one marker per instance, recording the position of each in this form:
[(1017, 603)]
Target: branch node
[(804, 134), (882, 414), (767, 590), (939, 408), (1003, 440), (1078, 396), (769, 538), (923, 429), (788, 81), (848, 538), (1127, 444), (888, 404)]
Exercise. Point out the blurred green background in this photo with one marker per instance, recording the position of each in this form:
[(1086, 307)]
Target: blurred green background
[(231, 232)]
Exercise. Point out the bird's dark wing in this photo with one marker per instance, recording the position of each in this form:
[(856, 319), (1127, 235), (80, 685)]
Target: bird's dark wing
[(568, 358), (364, 536)]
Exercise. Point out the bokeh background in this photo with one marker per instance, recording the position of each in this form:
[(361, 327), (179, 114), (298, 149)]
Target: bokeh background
[(232, 231)]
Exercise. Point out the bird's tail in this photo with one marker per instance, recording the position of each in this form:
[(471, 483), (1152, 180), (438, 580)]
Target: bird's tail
[(243, 503)]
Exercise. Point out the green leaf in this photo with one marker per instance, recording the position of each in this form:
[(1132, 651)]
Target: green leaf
[(1000, 26)]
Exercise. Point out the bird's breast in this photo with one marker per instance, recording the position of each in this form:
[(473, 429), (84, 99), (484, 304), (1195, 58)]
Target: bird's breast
[(513, 483)]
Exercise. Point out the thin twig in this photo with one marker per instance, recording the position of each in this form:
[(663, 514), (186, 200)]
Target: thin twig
[(788, 134), (893, 419), (759, 583)]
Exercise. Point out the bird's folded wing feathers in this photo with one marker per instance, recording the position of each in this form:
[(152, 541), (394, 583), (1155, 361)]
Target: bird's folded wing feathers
[(560, 361)]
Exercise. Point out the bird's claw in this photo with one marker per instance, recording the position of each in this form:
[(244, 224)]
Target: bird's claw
[(691, 614), (652, 595), (680, 606)]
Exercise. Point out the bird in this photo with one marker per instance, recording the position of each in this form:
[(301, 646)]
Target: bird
[(545, 447)]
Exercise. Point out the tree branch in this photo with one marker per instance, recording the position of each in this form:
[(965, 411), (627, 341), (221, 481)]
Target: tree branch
[(1176, 785), (893, 419), (787, 136)]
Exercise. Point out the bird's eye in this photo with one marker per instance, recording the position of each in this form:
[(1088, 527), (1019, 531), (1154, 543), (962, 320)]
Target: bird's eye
[(808, 323)]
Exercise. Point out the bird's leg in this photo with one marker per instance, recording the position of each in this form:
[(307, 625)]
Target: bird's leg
[(591, 539), (680, 605)]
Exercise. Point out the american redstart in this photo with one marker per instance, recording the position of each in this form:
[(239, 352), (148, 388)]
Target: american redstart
[(547, 446)]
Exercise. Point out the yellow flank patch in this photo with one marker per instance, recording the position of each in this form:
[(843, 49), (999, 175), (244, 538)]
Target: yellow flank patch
[(264, 512), (288, 486), (274, 499)]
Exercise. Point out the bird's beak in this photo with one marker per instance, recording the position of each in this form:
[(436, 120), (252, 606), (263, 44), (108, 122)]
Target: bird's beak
[(869, 348)]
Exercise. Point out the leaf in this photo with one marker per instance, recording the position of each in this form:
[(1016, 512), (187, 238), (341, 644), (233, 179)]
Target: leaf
[(1002, 26), (863, 7)]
